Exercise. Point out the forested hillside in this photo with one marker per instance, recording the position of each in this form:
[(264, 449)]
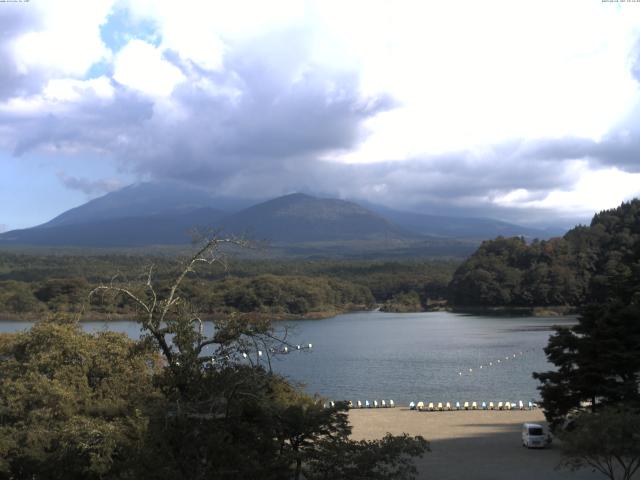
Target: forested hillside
[(588, 264)]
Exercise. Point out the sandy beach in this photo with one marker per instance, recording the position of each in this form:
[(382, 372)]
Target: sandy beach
[(483, 445)]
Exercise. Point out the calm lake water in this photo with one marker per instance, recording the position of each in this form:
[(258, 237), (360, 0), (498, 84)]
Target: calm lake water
[(407, 357)]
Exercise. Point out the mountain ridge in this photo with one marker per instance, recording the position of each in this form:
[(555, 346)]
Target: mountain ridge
[(163, 213)]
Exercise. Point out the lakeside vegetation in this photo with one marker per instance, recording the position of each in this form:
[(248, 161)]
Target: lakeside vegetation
[(588, 264), (32, 285)]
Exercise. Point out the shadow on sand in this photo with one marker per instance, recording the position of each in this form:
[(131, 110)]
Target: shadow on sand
[(495, 456)]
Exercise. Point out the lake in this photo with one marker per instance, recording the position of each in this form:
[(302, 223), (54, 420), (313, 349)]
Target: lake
[(407, 356)]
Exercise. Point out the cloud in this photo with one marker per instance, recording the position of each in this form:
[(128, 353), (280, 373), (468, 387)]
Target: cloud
[(140, 66), (89, 187), (264, 112), (3, 227), (399, 114)]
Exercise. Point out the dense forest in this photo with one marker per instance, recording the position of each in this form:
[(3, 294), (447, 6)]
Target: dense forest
[(588, 264), (36, 284)]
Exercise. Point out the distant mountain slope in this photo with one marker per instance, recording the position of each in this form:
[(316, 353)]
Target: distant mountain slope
[(161, 229), (478, 228), (137, 200), (302, 218), (162, 213)]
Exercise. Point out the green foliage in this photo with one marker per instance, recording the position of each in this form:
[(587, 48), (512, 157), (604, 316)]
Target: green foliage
[(607, 441), (588, 264), (403, 302), (389, 457), (71, 403), (31, 284), (597, 361)]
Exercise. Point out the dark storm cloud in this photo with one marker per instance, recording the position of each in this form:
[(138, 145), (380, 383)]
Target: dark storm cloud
[(620, 148), (273, 109), (268, 111)]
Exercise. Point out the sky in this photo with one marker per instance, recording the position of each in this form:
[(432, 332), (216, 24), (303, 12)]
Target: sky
[(526, 111)]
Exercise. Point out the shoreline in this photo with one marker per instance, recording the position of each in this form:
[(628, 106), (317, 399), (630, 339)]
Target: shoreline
[(557, 311), (125, 317)]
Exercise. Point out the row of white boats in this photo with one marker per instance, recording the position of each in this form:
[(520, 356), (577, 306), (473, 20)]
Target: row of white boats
[(442, 406), (366, 404), (447, 406)]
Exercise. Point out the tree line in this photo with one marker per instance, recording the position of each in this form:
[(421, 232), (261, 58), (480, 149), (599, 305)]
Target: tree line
[(33, 285)]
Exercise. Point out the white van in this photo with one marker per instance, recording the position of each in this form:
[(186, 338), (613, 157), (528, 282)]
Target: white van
[(533, 436)]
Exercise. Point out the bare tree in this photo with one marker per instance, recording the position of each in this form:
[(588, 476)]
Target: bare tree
[(169, 319)]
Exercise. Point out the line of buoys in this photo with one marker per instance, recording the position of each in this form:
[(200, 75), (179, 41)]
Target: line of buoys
[(500, 361), (284, 350), (440, 406)]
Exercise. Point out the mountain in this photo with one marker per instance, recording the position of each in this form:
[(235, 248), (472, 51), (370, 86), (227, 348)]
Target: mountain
[(478, 228), (137, 200), (164, 213), (135, 231), (303, 218)]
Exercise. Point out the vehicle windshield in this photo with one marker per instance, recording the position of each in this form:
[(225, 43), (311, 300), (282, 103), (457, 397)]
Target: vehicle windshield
[(536, 431)]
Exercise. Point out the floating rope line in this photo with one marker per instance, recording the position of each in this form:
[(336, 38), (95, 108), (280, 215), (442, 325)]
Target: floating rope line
[(500, 361)]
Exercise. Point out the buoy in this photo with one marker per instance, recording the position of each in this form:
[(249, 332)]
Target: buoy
[(310, 345)]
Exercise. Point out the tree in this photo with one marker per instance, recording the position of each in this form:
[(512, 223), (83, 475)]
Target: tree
[(72, 404), (608, 441), (389, 457), (597, 361)]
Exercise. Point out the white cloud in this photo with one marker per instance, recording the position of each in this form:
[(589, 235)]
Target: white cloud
[(139, 65), (68, 41), (67, 89), (594, 190)]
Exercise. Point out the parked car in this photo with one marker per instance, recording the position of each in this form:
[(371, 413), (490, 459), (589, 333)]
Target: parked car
[(534, 436)]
